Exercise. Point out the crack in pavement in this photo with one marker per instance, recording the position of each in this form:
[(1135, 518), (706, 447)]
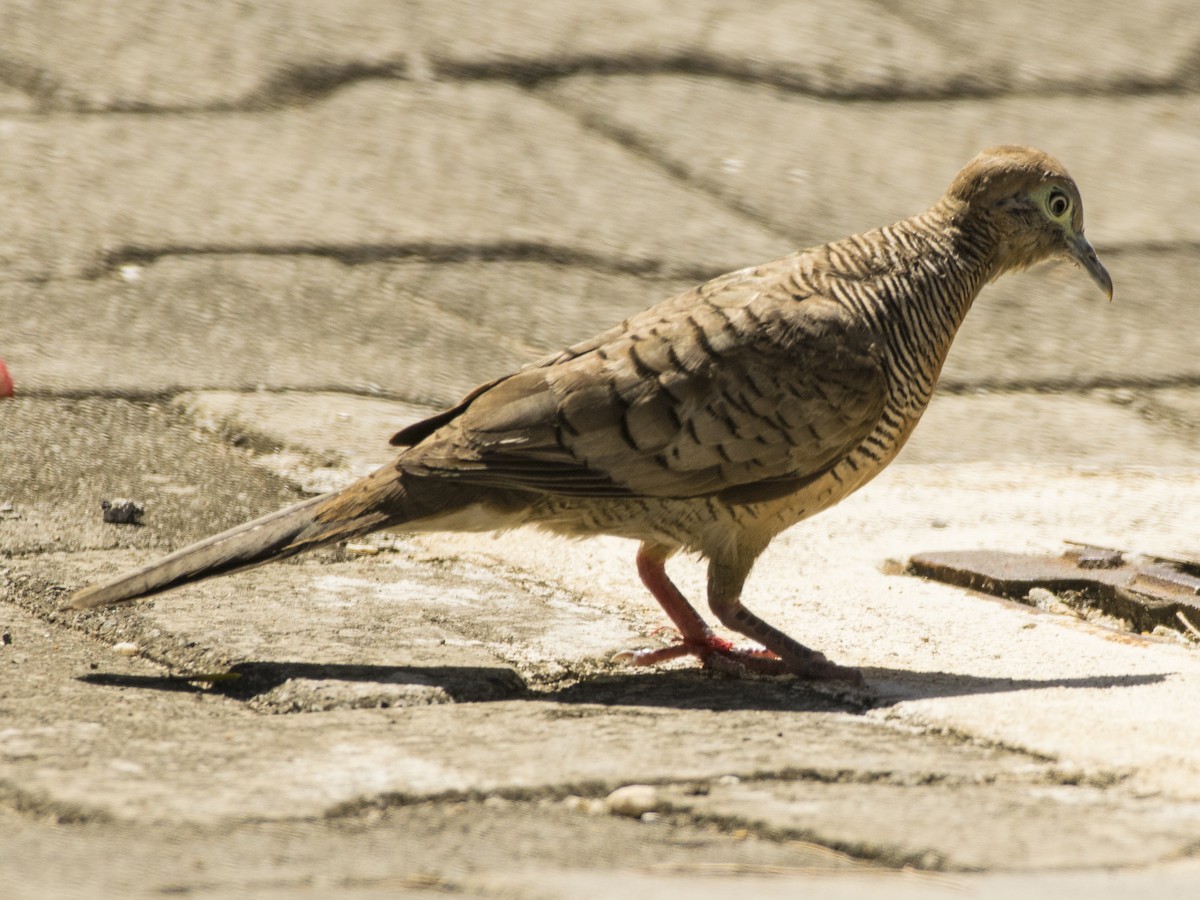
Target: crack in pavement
[(677, 814), (424, 251), (630, 141), (112, 260), (170, 392), (700, 65), (1078, 384), (37, 805), (301, 84), (949, 386)]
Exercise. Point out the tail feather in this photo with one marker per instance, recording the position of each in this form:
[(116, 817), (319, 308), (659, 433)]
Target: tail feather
[(304, 526)]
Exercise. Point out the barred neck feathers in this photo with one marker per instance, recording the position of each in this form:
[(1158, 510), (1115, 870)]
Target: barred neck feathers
[(934, 260), (911, 283)]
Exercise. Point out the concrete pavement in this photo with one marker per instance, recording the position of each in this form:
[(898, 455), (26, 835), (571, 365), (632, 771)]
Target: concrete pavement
[(243, 246)]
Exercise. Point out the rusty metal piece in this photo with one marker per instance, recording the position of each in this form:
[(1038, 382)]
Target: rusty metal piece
[(1145, 591)]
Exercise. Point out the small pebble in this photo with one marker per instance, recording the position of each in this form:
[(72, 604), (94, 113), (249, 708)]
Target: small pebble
[(121, 511), (1040, 597), (126, 648), (632, 800)]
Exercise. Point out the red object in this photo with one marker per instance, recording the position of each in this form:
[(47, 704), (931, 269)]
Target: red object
[(6, 385)]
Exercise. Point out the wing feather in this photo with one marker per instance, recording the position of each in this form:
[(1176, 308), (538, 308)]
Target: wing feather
[(732, 388)]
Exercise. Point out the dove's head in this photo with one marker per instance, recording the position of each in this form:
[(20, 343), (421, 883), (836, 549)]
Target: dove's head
[(1033, 207)]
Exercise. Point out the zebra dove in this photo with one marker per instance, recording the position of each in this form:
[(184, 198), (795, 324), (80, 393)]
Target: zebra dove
[(708, 423)]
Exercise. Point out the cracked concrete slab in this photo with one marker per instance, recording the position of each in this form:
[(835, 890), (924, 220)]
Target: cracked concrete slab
[(428, 331), (401, 201), (1028, 46), (1174, 408), (471, 848), (942, 506), (90, 450), (345, 436), (146, 56), (474, 167), (932, 665), (1050, 329), (1005, 428), (987, 825), (809, 173), (150, 55), (858, 48), (1028, 428), (125, 762), (769, 883), (1092, 688), (217, 761)]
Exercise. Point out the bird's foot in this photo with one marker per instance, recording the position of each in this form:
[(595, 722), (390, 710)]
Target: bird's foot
[(701, 646), (651, 657), (759, 661), (715, 653), (720, 655)]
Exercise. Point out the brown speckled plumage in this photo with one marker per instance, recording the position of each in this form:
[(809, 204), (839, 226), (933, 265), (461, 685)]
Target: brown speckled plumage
[(710, 422)]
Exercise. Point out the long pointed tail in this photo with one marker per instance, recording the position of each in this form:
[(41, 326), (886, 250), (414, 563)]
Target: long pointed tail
[(369, 504)]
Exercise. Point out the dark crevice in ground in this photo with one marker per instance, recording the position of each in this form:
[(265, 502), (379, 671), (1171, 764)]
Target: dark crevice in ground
[(1068, 384), (632, 142), (884, 856), (966, 86), (112, 260), (1073, 385), (860, 851), (881, 855), (423, 251), (35, 805), (298, 85), (288, 87), (34, 82), (168, 393)]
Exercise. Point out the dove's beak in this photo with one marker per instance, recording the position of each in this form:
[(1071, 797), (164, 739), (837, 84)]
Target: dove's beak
[(1085, 254)]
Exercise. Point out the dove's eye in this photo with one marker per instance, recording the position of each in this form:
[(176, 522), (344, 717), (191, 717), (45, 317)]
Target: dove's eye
[(1058, 204)]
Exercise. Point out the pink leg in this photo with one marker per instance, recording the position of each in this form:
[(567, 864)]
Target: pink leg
[(724, 596), (698, 638)]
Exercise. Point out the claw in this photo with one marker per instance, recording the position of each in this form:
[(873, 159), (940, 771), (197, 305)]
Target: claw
[(701, 647), (650, 657)]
